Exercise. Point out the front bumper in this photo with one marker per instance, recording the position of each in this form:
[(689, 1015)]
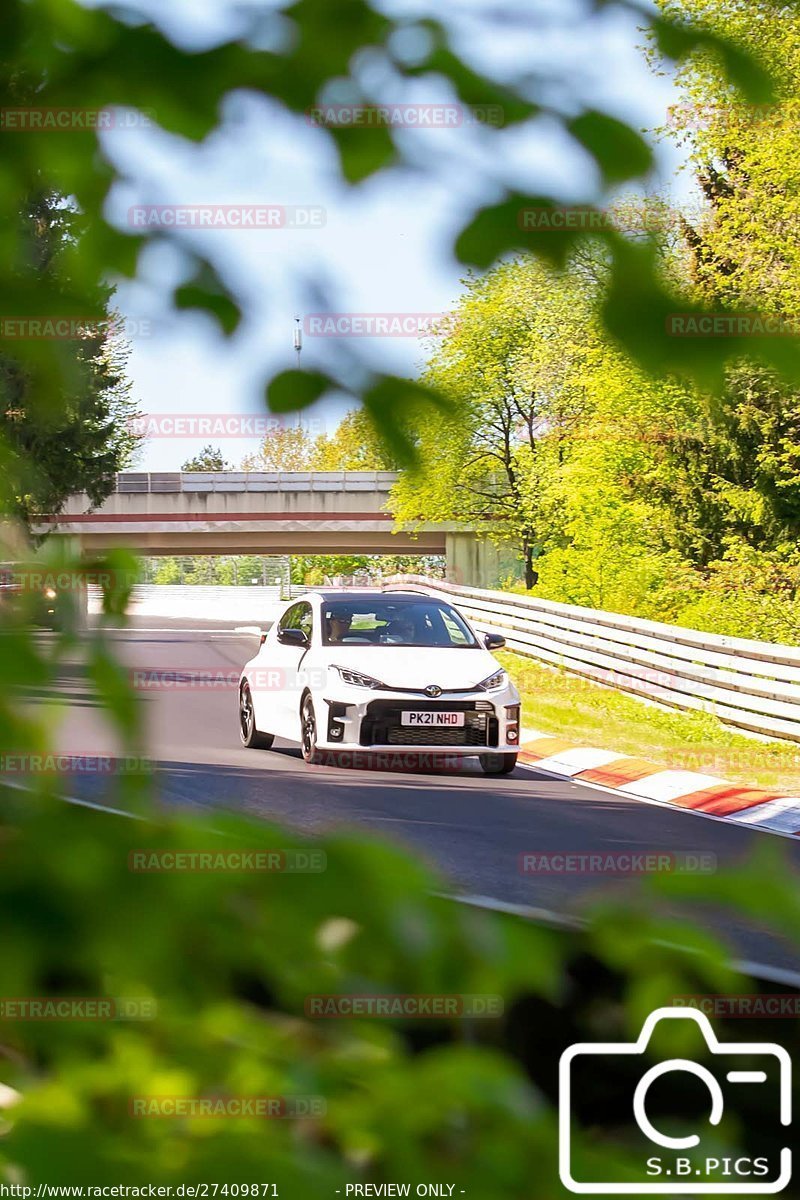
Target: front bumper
[(371, 721)]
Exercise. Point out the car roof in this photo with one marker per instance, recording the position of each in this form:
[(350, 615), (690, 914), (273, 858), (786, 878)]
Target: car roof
[(342, 594)]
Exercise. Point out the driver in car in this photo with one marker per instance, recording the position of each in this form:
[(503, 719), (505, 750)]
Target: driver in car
[(400, 630), (339, 622)]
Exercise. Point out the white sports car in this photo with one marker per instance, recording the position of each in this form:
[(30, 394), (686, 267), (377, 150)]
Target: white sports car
[(380, 672)]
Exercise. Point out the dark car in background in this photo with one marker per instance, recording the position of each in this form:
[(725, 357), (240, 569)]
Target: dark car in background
[(30, 597)]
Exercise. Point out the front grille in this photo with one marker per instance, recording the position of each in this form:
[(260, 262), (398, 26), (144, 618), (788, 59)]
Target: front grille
[(381, 725)]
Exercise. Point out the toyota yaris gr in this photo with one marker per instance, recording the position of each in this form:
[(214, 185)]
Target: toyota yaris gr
[(380, 672)]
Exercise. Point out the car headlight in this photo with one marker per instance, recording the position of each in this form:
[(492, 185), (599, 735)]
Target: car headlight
[(357, 679), (494, 682)]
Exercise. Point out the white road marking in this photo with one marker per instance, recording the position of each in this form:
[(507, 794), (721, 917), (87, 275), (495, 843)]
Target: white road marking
[(781, 815), (103, 808), (545, 916)]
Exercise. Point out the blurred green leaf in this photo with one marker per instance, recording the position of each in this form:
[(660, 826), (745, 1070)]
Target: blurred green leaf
[(206, 293), (392, 404), (620, 152), (293, 390), (533, 223)]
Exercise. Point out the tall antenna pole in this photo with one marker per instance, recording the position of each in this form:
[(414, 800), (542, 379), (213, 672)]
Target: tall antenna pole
[(298, 339), (298, 345)]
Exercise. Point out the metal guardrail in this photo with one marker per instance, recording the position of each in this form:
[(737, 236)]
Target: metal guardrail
[(747, 684)]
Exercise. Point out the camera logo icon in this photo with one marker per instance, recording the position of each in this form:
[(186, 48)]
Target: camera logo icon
[(680, 1165)]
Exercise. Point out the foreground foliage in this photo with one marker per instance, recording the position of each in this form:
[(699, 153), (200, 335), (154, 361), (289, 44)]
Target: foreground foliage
[(224, 963)]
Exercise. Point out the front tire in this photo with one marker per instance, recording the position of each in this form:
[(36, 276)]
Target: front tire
[(308, 732), (497, 764), (251, 737)]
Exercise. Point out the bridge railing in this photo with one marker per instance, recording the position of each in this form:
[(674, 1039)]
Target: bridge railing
[(747, 684), (254, 481)]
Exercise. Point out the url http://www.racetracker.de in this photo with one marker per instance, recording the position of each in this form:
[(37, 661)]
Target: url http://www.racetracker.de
[(193, 1191)]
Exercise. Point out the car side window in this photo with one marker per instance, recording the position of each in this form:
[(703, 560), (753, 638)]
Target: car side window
[(304, 619), (288, 620)]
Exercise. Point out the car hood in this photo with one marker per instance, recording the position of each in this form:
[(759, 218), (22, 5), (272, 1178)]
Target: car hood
[(415, 667)]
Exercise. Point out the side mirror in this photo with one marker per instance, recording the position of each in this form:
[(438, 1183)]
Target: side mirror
[(494, 641), (292, 637)]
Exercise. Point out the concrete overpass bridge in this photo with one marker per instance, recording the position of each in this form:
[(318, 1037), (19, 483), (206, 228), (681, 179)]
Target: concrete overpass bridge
[(256, 512)]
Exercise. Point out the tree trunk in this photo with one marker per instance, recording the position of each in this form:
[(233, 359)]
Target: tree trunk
[(531, 575)]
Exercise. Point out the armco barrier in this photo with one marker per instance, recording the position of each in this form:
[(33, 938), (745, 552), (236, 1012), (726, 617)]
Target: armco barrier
[(745, 683)]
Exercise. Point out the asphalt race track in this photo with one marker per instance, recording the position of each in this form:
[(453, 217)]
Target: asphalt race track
[(470, 827)]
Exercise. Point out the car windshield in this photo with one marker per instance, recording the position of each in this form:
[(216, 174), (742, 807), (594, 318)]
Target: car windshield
[(387, 622)]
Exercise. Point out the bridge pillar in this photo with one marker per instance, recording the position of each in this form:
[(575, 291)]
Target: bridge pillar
[(81, 610), (475, 562)]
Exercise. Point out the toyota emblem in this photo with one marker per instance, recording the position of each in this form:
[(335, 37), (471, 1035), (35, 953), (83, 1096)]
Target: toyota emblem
[(433, 689)]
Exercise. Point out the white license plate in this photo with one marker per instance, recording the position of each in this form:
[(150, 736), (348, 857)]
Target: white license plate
[(436, 719)]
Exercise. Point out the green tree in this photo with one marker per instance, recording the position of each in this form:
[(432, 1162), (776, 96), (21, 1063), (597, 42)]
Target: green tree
[(353, 446), (286, 448), (614, 532), (744, 255), (77, 444), (168, 570), (203, 570), (563, 448), (210, 458), (432, 565), (513, 364), (314, 569)]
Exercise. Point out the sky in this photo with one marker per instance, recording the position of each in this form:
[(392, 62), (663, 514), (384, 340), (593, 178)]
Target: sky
[(378, 248)]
